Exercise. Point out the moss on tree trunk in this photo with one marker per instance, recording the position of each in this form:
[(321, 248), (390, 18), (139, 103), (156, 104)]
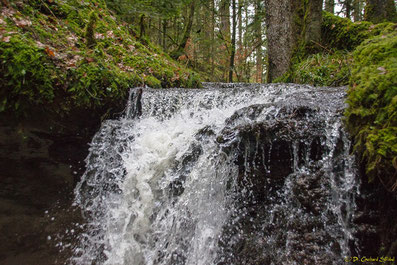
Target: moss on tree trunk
[(378, 11), (290, 26)]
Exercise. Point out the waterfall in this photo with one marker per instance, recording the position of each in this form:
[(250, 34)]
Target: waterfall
[(229, 174)]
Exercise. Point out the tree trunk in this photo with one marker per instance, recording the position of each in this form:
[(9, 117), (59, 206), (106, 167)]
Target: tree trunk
[(240, 23), (357, 8), (186, 35), (142, 26), (246, 39), (282, 35), (330, 6), (233, 52), (348, 8), (212, 35), (313, 22), (224, 11), (286, 26), (378, 11), (159, 33), (258, 33)]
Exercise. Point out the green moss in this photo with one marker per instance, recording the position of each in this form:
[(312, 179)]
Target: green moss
[(343, 34), (90, 30), (26, 73), (76, 53), (152, 81), (321, 69), (194, 80), (372, 112)]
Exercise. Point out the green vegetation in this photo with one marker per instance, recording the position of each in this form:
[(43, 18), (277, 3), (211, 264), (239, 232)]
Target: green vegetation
[(343, 34), (372, 112), (327, 69), (363, 56), (76, 53)]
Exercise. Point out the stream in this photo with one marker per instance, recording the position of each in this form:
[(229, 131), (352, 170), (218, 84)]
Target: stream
[(230, 174)]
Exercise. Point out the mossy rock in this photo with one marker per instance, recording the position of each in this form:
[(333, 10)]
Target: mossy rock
[(372, 112), (343, 34)]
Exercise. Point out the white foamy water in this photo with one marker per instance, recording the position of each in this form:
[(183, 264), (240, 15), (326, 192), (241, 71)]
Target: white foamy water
[(164, 187)]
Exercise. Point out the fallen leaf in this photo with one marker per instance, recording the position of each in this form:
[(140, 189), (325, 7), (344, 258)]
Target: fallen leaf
[(53, 27), (7, 39), (110, 34), (49, 52), (72, 38), (2, 21), (7, 12), (39, 44), (23, 23), (99, 36), (382, 70), (89, 59)]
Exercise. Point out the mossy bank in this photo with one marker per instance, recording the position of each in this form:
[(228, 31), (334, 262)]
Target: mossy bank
[(61, 54)]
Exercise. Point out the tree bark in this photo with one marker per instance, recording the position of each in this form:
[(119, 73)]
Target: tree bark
[(233, 51), (313, 22), (282, 35), (186, 35), (348, 8), (142, 26), (212, 35), (224, 11), (330, 6), (357, 8), (240, 23), (164, 35), (378, 11), (258, 33), (290, 23)]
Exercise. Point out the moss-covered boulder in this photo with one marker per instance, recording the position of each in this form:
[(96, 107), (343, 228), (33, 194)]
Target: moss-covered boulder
[(343, 34), (372, 112)]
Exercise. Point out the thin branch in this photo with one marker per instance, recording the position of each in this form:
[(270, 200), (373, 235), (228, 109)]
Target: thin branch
[(50, 11)]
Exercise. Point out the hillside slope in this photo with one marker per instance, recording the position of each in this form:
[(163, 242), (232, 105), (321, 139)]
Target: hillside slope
[(75, 53)]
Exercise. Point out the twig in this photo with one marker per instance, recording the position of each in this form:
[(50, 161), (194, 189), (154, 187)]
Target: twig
[(92, 94), (325, 48), (50, 11)]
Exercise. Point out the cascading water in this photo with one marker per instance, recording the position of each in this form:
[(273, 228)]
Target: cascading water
[(230, 174)]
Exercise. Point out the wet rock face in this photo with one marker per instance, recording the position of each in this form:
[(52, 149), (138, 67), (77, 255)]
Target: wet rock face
[(376, 220), (284, 192), (40, 162)]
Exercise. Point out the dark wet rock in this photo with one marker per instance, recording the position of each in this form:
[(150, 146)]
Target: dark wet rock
[(376, 219), (283, 189), (41, 159)]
